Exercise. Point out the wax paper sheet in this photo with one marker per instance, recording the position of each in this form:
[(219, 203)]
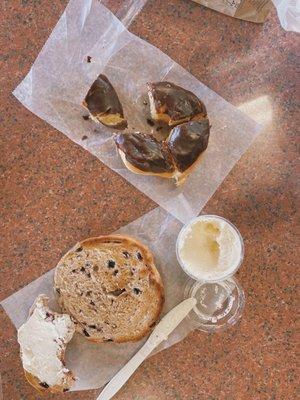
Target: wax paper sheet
[(94, 364), (61, 76)]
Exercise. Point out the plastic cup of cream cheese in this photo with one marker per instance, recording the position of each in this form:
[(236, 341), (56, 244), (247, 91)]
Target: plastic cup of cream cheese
[(209, 248)]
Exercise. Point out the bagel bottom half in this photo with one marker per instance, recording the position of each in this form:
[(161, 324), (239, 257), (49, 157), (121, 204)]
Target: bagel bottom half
[(34, 381), (110, 287)]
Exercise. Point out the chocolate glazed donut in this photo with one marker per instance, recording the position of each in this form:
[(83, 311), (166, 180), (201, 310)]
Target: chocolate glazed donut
[(143, 153)]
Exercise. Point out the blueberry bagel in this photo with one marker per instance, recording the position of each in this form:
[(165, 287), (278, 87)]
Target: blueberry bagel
[(110, 287)]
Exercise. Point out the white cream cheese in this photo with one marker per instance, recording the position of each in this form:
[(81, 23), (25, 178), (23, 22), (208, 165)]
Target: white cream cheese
[(43, 339), (209, 248)]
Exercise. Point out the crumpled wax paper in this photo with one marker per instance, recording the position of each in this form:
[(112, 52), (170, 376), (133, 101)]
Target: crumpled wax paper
[(95, 364), (61, 76)]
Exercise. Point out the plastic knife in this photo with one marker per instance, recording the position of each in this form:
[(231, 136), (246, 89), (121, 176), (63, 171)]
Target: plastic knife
[(160, 333)]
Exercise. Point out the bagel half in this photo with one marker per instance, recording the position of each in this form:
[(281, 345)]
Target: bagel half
[(110, 287), (43, 339)]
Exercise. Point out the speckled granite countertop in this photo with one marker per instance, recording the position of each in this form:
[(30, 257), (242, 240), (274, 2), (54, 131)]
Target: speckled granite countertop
[(54, 193)]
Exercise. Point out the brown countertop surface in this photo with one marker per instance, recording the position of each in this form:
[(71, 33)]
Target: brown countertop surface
[(54, 193)]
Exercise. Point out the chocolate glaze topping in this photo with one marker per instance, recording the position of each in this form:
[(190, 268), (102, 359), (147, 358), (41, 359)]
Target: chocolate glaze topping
[(102, 99), (175, 102), (145, 152), (187, 141)]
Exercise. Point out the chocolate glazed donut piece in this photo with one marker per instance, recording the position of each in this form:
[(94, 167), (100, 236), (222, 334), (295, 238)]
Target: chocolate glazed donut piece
[(145, 152), (104, 105), (172, 104), (187, 141)]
